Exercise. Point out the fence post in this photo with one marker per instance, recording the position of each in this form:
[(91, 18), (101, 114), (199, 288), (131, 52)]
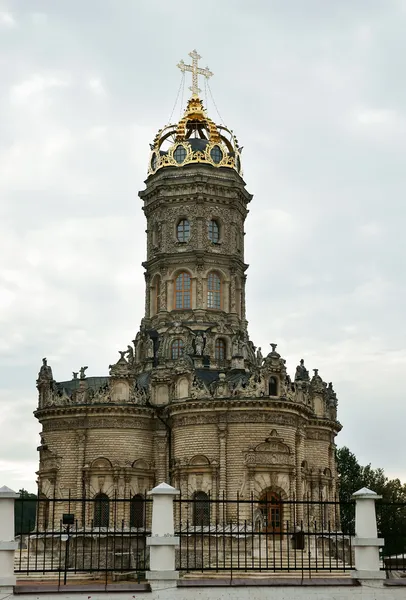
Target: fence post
[(162, 542), (7, 544), (366, 542)]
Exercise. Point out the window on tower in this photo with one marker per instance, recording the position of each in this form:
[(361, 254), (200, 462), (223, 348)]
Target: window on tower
[(220, 349), (180, 154), (183, 291), (214, 231), (177, 348), (183, 231), (213, 291), (273, 386)]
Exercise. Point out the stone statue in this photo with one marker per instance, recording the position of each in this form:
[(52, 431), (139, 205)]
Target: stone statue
[(130, 354), (260, 358), (302, 374), (235, 347), (45, 371), (150, 348), (82, 372), (137, 346), (199, 344)]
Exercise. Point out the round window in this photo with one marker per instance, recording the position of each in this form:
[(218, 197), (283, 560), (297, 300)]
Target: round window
[(180, 154), (216, 155)]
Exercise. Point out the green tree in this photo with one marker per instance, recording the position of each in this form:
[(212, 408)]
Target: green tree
[(391, 509), (25, 512)]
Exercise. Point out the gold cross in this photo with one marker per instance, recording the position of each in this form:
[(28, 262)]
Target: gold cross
[(196, 71)]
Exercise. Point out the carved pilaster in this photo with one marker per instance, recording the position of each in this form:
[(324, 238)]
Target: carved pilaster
[(232, 295), (222, 429), (160, 454), (147, 295), (300, 437), (80, 449)]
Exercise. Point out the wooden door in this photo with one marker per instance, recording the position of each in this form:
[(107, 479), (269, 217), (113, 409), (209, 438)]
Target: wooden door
[(271, 507)]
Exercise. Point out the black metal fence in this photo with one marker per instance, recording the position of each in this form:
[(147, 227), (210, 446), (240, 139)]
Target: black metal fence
[(391, 523), (269, 535), (67, 538)]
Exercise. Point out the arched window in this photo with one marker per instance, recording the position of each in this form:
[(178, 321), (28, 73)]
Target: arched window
[(213, 291), (201, 509), (183, 291), (137, 515), (273, 386), (214, 231), (183, 231), (220, 349), (101, 510), (177, 348)]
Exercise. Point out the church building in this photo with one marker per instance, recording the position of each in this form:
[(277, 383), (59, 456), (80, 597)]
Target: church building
[(191, 401)]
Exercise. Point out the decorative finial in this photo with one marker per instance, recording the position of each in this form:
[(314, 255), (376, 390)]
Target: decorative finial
[(75, 374), (196, 71), (273, 346), (316, 372)]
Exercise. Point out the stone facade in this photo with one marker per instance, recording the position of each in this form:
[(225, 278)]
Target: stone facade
[(191, 401)]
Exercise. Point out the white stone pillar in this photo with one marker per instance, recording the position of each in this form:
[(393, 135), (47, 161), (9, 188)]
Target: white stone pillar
[(162, 542), (366, 542), (7, 544)]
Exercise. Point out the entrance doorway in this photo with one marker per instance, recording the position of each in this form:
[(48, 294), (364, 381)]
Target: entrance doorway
[(270, 505)]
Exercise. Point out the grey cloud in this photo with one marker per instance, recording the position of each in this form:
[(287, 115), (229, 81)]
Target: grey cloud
[(315, 93)]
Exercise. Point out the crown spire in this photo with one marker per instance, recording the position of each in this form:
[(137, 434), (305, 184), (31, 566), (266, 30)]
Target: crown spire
[(196, 71)]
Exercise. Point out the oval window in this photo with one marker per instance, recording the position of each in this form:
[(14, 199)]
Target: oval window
[(216, 155), (180, 154)]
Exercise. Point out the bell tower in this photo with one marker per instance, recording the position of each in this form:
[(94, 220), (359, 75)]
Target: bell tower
[(195, 203)]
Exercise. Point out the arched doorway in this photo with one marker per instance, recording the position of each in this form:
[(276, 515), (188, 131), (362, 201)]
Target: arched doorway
[(270, 505)]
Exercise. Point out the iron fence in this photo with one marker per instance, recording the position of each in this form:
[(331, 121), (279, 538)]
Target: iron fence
[(101, 537), (269, 535), (391, 523)]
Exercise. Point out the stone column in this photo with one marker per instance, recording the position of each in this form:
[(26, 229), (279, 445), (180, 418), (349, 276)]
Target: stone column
[(162, 542), (163, 302), (366, 542), (7, 544)]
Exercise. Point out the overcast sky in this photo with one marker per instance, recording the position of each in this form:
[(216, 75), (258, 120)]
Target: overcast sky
[(315, 91)]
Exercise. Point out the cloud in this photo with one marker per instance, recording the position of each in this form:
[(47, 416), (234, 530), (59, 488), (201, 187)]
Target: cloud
[(96, 86), (316, 99), (7, 20)]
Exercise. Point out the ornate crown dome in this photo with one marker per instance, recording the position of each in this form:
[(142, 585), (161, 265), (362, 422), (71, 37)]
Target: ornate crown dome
[(196, 138)]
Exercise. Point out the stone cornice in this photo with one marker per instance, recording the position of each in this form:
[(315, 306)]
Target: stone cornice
[(196, 256), (90, 410), (231, 405)]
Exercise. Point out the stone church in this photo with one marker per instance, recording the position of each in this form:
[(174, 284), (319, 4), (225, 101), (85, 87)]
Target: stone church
[(191, 400)]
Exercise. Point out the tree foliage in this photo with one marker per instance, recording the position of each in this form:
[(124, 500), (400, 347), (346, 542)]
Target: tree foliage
[(390, 510), (25, 512)]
